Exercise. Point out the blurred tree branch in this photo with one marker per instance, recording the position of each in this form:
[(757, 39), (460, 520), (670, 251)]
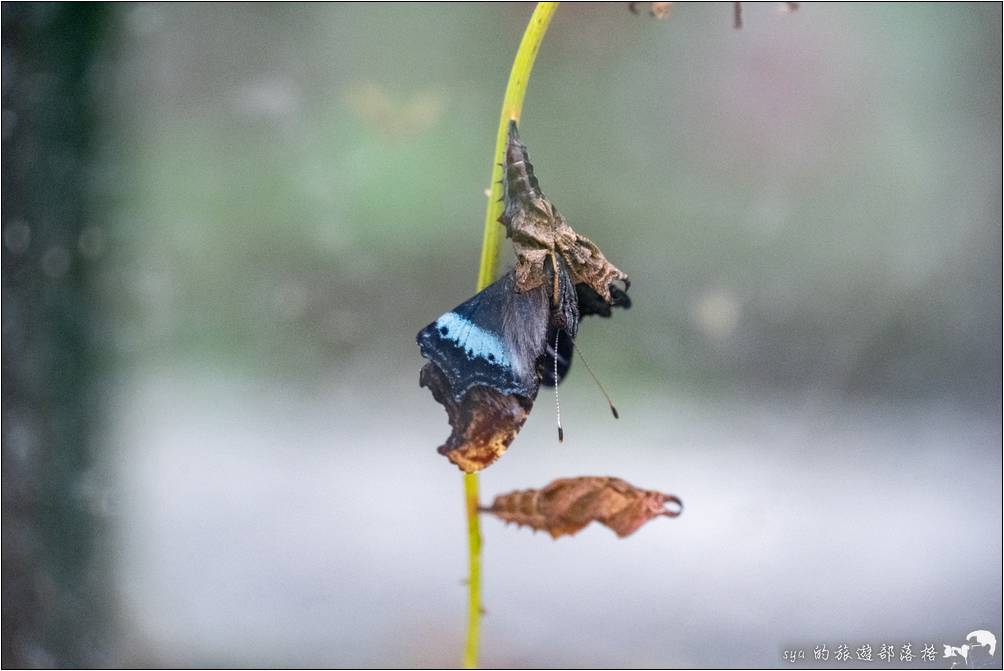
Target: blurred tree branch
[(53, 579)]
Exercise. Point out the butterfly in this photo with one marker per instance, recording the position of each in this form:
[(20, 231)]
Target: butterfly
[(489, 356)]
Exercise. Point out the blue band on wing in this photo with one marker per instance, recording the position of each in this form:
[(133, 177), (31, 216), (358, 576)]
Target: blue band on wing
[(472, 347), (469, 355), (472, 339)]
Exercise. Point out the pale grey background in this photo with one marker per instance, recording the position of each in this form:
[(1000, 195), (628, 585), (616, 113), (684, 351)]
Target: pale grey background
[(810, 209)]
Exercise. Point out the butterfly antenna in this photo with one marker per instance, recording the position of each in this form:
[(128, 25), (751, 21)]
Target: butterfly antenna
[(557, 404), (599, 384)]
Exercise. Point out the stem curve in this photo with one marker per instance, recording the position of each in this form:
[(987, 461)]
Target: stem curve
[(512, 109)]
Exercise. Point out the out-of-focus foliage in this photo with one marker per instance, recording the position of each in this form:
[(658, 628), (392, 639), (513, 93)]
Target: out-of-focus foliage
[(797, 201)]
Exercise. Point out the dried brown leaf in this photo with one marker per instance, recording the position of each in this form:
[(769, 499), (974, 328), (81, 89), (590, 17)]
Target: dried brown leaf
[(539, 232), (567, 505), (659, 10)]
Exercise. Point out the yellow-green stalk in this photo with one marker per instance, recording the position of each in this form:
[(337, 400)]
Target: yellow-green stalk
[(512, 108)]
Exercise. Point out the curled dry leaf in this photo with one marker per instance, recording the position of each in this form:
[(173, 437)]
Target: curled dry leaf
[(540, 233), (565, 506)]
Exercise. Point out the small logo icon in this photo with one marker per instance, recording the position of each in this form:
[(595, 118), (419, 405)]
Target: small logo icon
[(983, 638), (980, 645)]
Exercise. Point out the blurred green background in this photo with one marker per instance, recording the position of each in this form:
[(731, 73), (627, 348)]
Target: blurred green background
[(266, 202)]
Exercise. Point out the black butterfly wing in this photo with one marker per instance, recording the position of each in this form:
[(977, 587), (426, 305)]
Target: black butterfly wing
[(483, 369), (492, 340), (590, 303)]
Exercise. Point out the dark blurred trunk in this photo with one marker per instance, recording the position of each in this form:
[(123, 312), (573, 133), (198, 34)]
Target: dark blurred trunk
[(52, 580)]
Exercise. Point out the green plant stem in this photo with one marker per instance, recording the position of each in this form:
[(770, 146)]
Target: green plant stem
[(512, 109), (474, 575)]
